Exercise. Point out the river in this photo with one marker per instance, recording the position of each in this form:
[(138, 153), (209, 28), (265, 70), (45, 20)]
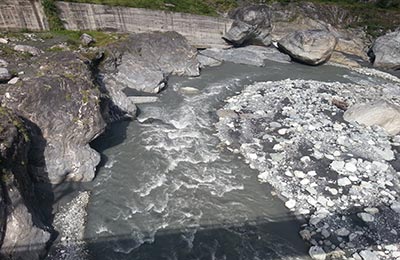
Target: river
[(168, 189)]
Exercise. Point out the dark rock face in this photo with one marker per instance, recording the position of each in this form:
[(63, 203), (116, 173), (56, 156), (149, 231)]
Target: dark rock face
[(252, 25), (64, 105), (23, 236), (143, 62), (311, 47), (386, 51)]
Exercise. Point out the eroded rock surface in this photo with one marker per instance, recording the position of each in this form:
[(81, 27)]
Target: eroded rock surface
[(64, 106), (23, 235), (252, 25), (143, 62), (311, 47), (386, 51)]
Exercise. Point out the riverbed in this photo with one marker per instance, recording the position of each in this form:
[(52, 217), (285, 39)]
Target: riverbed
[(168, 188)]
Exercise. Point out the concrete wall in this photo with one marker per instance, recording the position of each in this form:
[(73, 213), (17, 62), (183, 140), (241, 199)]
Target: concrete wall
[(201, 31), (22, 14)]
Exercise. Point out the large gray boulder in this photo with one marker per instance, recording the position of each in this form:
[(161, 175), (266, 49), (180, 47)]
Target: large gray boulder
[(386, 51), (63, 105), (312, 47), (24, 236), (143, 63), (252, 25), (380, 112)]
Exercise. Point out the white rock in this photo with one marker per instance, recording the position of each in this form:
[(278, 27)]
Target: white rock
[(277, 147), (189, 90), (3, 40), (333, 191), (317, 253), (337, 165), (351, 167), (304, 182), (371, 210), (344, 182), (290, 204), (13, 81), (282, 131), (368, 255), (299, 174), (353, 178), (366, 217)]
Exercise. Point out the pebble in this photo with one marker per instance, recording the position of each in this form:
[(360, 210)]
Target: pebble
[(337, 165), (299, 174), (343, 232), (395, 207), (350, 167), (282, 131), (368, 255), (13, 81), (366, 217), (290, 204), (304, 182), (344, 182), (317, 253)]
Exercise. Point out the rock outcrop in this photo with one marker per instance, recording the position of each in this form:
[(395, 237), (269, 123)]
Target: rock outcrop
[(63, 105), (311, 47), (259, 24), (23, 235), (380, 112), (386, 51), (252, 25), (143, 62)]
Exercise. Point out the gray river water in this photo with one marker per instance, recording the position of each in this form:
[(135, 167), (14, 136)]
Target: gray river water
[(169, 190)]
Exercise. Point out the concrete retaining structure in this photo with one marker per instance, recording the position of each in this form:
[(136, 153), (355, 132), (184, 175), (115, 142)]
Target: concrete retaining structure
[(201, 31), (22, 14)]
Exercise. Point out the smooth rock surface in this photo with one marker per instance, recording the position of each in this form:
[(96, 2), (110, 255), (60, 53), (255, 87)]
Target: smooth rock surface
[(386, 51), (312, 47), (4, 75), (379, 112), (249, 55), (28, 49)]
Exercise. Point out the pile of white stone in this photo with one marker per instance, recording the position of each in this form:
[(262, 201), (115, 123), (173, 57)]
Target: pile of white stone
[(343, 177), (70, 221)]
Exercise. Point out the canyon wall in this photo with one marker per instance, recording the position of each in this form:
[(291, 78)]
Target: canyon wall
[(201, 31), (22, 14)]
